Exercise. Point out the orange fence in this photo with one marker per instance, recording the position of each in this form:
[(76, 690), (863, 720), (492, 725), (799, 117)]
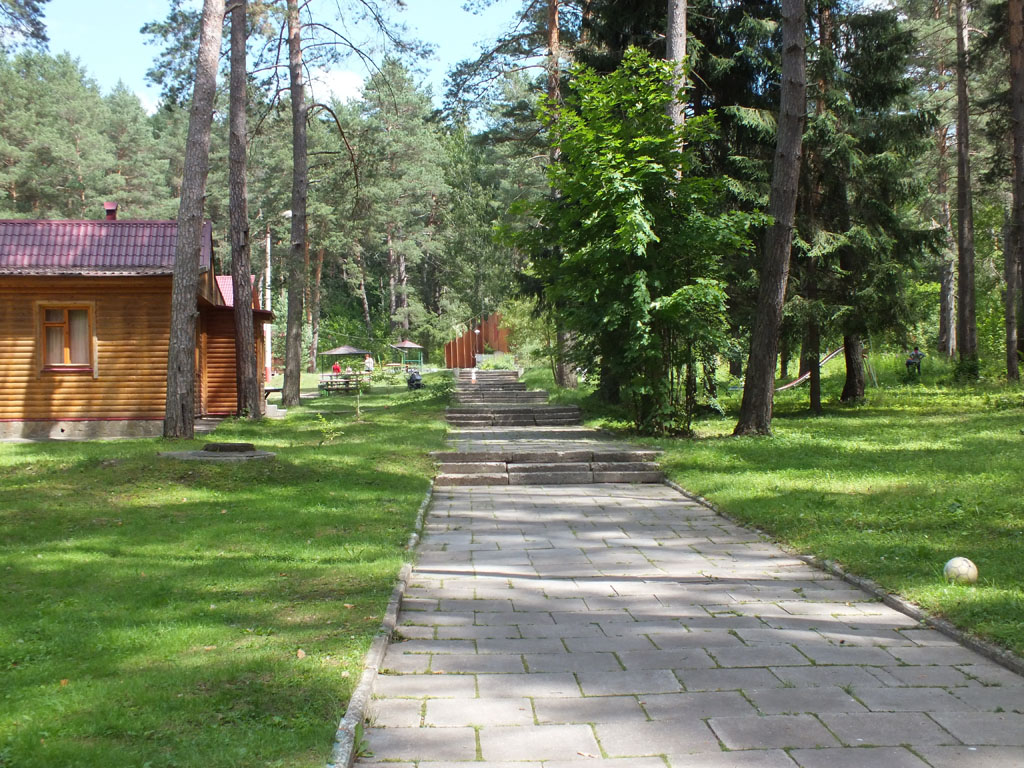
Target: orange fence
[(461, 352)]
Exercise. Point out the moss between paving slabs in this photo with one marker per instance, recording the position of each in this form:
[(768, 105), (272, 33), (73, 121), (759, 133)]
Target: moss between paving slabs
[(166, 613)]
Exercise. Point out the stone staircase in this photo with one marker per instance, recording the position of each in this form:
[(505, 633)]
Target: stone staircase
[(541, 467), (497, 400)]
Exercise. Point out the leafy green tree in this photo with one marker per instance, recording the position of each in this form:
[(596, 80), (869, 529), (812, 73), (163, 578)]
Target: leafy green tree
[(641, 233)]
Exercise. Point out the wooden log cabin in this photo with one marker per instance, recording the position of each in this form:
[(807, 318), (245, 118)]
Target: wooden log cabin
[(85, 311)]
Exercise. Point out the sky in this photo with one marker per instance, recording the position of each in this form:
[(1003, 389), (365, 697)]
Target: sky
[(105, 37)]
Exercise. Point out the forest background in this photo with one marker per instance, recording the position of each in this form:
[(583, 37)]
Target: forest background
[(421, 218)]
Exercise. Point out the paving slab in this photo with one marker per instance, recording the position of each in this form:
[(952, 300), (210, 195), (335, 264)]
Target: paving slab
[(761, 758), (659, 737), (879, 729), (779, 701), (696, 706), (862, 757), (973, 757), (604, 709), (552, 626), (451, 712), (996, 729), (538, 742), (389, 744), (772, 731)]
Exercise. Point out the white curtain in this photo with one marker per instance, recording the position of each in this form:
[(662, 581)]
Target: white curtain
[(55, 345), (78, 327)]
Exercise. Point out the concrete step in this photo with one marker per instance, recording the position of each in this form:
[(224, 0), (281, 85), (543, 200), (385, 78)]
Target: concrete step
[(547, 478), (514, 421), (473, 468), (629, 477), (624, 466), (494, 467), (513, 409), (489, 479), (547, 467), (541, 456), (503, 396), (550, 478), (467, 375), (494, 386)]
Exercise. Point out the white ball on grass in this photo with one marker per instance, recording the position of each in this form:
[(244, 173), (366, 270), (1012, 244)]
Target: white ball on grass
[(961, 570)]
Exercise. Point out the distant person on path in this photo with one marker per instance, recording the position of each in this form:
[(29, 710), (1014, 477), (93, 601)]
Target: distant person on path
[(368, 364), (914, 361)]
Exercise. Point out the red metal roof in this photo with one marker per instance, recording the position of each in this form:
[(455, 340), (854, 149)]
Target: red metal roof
[(93, 247), (226, 284)]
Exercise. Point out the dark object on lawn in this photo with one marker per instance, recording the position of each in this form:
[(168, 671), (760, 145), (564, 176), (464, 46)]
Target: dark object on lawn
[(415, 381), (229, 447)]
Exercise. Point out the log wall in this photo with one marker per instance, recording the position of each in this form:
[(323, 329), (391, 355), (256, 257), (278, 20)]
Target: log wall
[(220, 385), (131, 327)]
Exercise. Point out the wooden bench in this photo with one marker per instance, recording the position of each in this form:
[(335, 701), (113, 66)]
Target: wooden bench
[(268, 390), (342, 382)]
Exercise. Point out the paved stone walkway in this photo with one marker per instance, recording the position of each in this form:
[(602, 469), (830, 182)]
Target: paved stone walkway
[(555, 626)]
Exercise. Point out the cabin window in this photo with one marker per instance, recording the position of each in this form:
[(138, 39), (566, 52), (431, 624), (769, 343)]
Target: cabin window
[(67, 338)]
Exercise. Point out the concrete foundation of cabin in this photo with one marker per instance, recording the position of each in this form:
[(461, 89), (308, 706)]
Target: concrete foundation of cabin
[(80, 430)]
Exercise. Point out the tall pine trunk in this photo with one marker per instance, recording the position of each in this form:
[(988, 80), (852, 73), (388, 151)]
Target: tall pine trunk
[(759, 390), (1015, 242), (947, 277), (392, 280), (564, 374), (179, 410), (675, 52), (246, 378), (403, 293), (853, 351), (812, 340), (967, 327), (314, 307), (300, 191), (364, 300), (812, 337)]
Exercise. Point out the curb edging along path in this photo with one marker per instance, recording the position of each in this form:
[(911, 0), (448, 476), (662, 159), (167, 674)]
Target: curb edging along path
[(991, 651), (346, 741)]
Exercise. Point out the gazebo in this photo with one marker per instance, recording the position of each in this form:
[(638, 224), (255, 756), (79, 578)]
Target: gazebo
[(412, 353)]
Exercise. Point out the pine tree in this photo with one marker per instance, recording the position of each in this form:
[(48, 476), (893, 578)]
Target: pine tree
[(21, 23), (179, 416), (758, 394), (247, 384), (1015, 249)]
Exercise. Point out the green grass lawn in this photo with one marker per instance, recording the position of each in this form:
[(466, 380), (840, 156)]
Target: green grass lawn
[(922, 471), (165, 613)]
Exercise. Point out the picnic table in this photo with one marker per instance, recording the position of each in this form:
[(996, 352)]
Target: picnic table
[(343, 382)]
